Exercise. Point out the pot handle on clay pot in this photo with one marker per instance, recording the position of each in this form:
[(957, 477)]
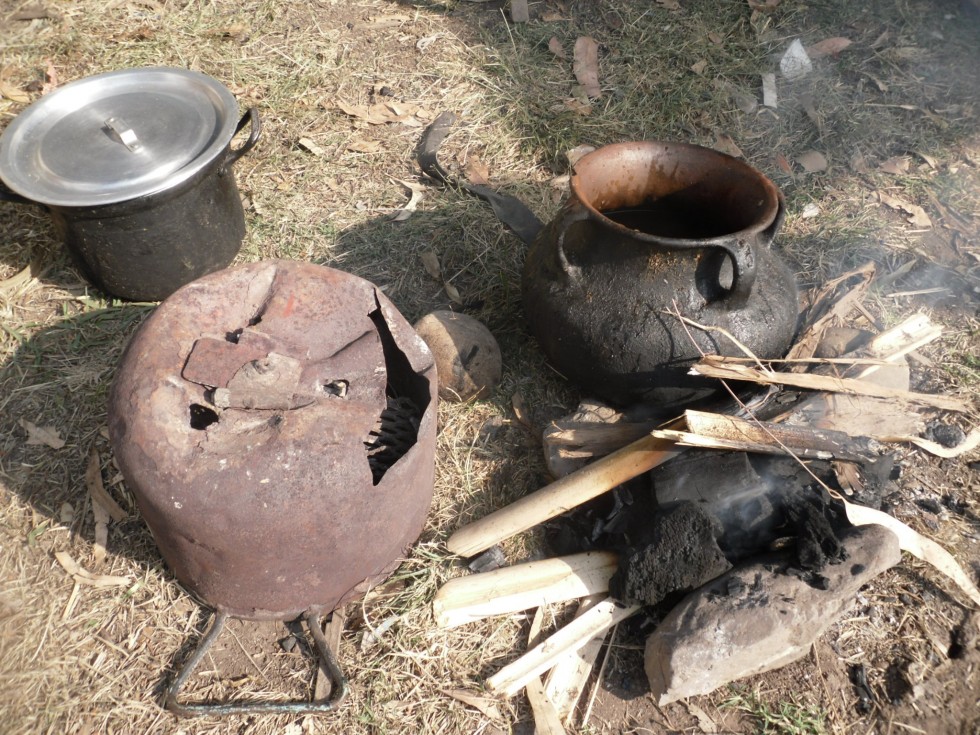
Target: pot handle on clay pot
[(572, 215), (250, 117), (742, 254)]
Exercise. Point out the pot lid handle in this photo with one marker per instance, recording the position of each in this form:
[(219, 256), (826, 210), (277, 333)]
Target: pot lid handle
[(124, 134)]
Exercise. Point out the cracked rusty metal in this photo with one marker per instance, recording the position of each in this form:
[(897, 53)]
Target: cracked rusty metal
[(276, 423)]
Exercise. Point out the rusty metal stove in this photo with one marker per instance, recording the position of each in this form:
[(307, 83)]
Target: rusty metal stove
[(276, 423)]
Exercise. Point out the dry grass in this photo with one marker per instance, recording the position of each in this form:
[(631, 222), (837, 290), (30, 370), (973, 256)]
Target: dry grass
[(101, 667)]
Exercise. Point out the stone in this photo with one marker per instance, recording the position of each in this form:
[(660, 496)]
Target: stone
[(466, 354), (755, 619)]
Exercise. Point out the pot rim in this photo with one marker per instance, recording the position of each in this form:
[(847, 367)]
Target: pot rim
[(770, 216), (24, 171)]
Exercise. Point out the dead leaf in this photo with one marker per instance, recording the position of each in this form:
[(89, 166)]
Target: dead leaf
[(577, 106), (671, 5), (382, 113), (236, 31), (700, 66), (34, 12), (520, 409), (919, 546), (431, 262), (858, 163), (880, 41), (555, 47), (485, 705), (364, 146), (784, 164), (413, 202), (897, 166), (725, 144), (423, 43), (574, 154), (476, 171), (452, 292), (309, 146), (84, 576), (550, 16), (93, 482), (50, 78), (47, 435), (12, 93), (812, 161), (932, 162), (764, 6), (917, 215), (828, 47), (585, 65), (716, 38)]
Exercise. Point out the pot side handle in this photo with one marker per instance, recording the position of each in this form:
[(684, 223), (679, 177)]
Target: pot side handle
[(742, 254), (572, 215), (251, 117)]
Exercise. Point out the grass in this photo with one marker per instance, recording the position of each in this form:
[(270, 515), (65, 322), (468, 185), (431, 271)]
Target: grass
[(784, 718), (101, 666)]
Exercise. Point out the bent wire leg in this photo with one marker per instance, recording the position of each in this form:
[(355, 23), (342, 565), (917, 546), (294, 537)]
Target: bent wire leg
[(338, 689)]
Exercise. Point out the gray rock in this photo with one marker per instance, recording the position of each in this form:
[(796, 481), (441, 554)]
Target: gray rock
[(754, 619)]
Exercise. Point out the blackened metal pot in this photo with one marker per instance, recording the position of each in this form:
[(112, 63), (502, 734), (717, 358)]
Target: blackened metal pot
[(135, 168), (661, 251)]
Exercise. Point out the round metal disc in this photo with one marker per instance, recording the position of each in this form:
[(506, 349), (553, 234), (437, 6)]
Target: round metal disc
[(117, 136)]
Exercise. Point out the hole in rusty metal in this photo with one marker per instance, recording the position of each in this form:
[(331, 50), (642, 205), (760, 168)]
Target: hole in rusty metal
[(407, 397), (233, 337), (337, 388), (202, 417)]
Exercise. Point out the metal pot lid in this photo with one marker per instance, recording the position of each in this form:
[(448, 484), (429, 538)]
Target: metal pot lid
[(117, 136)]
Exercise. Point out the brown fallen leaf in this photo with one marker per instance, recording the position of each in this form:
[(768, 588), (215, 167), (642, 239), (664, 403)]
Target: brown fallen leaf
[(476, 170), (431, 262), (309, 146), (585, 65), (550, 16), (828, 47), (764, 6), (700, 66), (574, 154), (12, 93), (671, 5), (896, 166), (555, 47), (812, 161), (716, 38), (34, 12), (917, 215), (577, 106), (47, 435), (520, 409), (784, 164), (364, 146), (858, 163), (725, 144)]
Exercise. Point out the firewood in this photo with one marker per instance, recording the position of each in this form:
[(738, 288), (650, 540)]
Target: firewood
[(562, 495), (546, 719), (513, 677), (716, 431), (567, 678), (711, 367), (522, 586)]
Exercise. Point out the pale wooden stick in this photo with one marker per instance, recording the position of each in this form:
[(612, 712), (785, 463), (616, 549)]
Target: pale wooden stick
[(716, 369), (546, 719), (513, 677), (567, 678), (569, 492), (522, 586)]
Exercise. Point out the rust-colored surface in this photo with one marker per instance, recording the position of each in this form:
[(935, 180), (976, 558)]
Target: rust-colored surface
[(244, 416)]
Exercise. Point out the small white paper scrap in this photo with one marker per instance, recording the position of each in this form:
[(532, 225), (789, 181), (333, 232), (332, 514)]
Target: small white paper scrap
[(795, 63), (769, 90)]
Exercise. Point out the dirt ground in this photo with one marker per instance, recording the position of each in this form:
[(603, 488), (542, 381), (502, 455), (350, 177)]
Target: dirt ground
[(893, 120)]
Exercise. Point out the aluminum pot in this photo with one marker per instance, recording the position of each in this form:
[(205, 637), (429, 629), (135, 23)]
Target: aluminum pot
[(135, 168)]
